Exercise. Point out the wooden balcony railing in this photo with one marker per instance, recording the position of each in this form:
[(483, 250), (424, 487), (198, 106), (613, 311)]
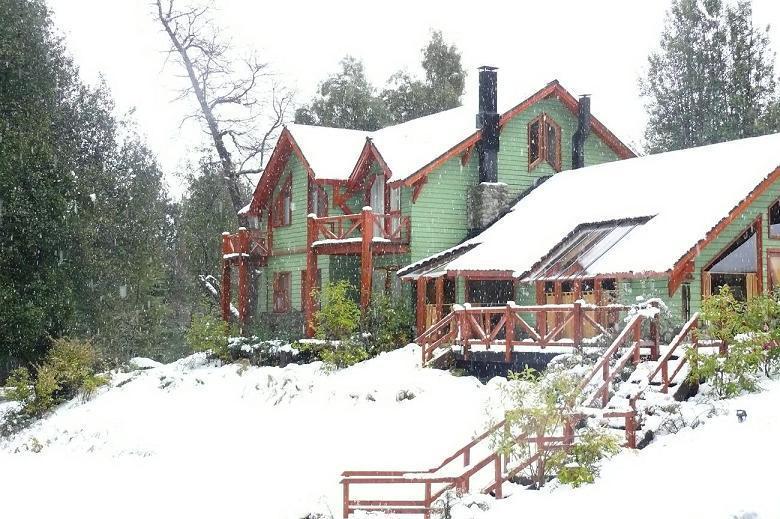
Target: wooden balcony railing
[(252, 243), (393, 228)]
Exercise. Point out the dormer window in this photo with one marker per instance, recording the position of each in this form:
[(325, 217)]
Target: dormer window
[(282, 213), (544, 142)]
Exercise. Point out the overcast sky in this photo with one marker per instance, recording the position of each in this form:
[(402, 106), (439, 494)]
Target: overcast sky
[(598, 47)]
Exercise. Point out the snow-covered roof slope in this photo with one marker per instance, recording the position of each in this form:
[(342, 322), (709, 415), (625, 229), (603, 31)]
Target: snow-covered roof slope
[(331, 152), (686, 192)]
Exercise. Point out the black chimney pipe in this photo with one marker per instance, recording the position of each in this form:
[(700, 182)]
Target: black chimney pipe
[(582, 132), (487, 122)]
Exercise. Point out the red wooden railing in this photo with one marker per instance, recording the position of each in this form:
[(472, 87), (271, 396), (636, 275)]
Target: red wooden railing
[(506, 326), (436, 481), (689, 329), (391, 227), (251, 242)]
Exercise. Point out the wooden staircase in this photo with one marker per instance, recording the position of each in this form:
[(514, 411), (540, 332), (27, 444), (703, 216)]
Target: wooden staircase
[(658, 370)]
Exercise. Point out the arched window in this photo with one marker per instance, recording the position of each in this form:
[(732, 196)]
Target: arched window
[(544, 142)]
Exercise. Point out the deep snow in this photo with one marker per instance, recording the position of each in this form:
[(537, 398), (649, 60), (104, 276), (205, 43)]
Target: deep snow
[(190, 439)]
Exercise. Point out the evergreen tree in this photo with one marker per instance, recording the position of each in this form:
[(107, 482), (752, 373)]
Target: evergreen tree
[(345, 100), (408, 98), (36, 85), (348, 100), (712, 79)]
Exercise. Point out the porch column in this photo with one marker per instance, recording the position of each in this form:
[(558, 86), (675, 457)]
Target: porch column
[(224, 293), (366, 257), (439, 285), (243, 278), (311, 275), (421, 291)]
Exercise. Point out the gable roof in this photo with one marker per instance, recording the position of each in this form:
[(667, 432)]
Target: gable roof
[(689, 194), (408, 151)]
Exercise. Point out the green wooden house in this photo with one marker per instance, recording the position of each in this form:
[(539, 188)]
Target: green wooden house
[(676, 226), (335, 204)]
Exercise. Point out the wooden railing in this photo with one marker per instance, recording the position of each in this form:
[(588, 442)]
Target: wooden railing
[(435, 482), (391, 227), (506, 326), (631, 332), (689, 329), (248, 242)]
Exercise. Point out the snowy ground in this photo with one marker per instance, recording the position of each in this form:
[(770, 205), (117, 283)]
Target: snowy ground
[(193, 440)]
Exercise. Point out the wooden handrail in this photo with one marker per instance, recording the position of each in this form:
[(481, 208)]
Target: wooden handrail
[(607, 355), (663, 363)]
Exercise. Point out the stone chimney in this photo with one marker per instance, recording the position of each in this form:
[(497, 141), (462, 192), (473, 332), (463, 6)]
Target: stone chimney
[(488, 198)]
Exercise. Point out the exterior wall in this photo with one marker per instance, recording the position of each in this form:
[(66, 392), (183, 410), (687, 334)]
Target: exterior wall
[(759, 207), (513, 152)]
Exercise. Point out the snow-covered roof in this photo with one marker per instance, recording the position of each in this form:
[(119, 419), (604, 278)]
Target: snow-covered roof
[(331, 152), (686, 193)]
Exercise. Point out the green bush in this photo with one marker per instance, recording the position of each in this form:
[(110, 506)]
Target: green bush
[(580, 464), (387, 325), (209, 334), (339, 316), (730, 374), (345, 354), (19, 385), (68, 369)]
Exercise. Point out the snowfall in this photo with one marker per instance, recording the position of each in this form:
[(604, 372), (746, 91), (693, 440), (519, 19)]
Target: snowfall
[(194, 439)]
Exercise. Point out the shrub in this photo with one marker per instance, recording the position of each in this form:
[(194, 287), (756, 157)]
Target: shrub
[(68, 370), (19, 385), (339, 316), (345, 354), (209, 334), (730, 374), (580, 464), (387, 324)]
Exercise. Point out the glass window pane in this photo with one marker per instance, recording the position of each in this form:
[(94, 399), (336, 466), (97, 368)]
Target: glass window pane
[(534, 143)]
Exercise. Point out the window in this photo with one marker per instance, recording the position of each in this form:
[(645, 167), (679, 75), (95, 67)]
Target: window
[(282, 213), (774, 221), (282, 290), (736, 267), (318, 200), (773, 268), (544, 142)]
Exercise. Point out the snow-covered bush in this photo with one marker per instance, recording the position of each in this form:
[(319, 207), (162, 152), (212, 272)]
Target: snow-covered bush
[(730, 374), (579, 465), (339, 316), (335, 354), (209, 334), (387, 325)]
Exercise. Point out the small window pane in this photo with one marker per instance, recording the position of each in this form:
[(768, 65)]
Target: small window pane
[(534, 144), (552, 145), (774, 220)]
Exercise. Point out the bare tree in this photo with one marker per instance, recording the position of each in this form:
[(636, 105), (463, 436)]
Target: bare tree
[(239, 101)]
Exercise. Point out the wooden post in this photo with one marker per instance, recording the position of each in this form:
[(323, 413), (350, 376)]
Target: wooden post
[(655, 333), (421, 293), (428, 503), (568, 432), (631, 430), (497, 469), (366, 257), (439, 285), (346, 499), (224, 296), (243, 278), (541, 317), (311, 275), (637, 340), (509, 326), (605, 378), (577, 325)]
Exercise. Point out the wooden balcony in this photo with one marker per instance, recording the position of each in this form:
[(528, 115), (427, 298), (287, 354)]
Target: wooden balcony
[(345, 234), (253, 244)]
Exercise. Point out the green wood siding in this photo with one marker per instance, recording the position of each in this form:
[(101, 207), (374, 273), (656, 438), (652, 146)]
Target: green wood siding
[(759, 207), (513, 152)]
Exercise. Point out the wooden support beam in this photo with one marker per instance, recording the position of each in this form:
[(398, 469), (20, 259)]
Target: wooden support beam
[(224, 295), (421, 291), (310, 277), (439, 285), (366, 258), (243, 279)]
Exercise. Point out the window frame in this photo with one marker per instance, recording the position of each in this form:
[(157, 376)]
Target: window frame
[(770, 252), (769, 221), (545, 122), (320, 194), (282, 286), (279, 213)]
